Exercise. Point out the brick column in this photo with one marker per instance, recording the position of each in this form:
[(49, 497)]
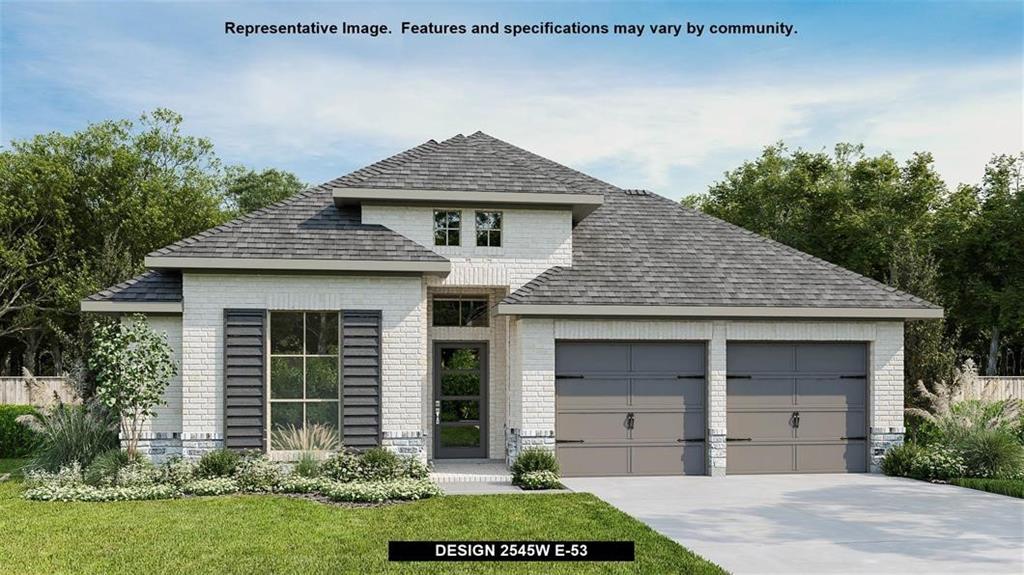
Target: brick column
[(716, 400)]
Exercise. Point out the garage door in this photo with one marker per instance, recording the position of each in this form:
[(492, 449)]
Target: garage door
[(797, 407), (627, 408)]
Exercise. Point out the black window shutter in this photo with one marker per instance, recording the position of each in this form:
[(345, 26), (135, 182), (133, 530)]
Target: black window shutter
[(361, 378), (244, 379)]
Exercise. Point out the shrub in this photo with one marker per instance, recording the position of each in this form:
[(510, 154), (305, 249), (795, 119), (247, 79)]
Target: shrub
[(938, 462), (118, 467), (257, 473), (415, 469), (380, 491), (307, 465), (533, 459), (316, 437), (379, 464), (70, 433), (540, 480), (1011, 487), (177, 471), (16, 440), (342, 466), (992, 453), (211, 486), (64, 477), (90, 493), (300, 484), (922, 431), (218, 463), (902, 460)]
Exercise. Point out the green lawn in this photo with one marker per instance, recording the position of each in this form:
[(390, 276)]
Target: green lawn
[(247, 534), (12, 466), (1010, 487)]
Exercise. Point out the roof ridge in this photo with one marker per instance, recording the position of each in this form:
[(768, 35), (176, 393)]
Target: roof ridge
[(542, 160), (804, 255)]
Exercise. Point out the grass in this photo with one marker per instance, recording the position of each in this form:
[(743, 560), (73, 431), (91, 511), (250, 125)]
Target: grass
[(1010, 487), (261, 534), (12, 466)]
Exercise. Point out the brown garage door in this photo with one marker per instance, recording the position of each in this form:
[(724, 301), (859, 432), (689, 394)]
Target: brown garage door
[(629, 408), (797, 407)]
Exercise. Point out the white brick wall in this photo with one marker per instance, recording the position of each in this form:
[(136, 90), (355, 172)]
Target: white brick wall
[(168, 416), (532, 242), (532, 393), (401, 300)]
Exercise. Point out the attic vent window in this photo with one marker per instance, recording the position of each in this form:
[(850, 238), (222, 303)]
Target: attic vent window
[(488, 229), (447, 227)]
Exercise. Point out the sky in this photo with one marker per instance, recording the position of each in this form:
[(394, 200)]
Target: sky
[(668, 114)]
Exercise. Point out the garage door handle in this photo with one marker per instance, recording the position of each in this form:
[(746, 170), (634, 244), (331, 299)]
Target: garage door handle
[(568, 441), (852, 438), (739, 439), (701, 440)]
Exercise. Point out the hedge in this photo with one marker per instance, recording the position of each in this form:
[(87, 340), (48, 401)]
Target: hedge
[(1011, 487), (16, 440)]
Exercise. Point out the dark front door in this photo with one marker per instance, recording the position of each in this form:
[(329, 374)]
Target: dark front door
[(460, 400)]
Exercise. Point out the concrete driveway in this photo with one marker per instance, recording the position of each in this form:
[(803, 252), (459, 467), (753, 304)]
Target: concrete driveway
[(826, 523)]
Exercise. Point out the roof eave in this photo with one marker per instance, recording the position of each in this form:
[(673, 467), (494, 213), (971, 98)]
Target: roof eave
[(114, 306), (581, 205), (282, 264), (719, 311)]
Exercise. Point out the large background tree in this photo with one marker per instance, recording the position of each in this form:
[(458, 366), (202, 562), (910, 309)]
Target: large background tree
[(79, 212), (979, 244), (898, 224), (247, 190)]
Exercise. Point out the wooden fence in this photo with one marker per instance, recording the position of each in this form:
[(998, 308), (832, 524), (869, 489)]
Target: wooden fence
[(15, 390), (991, 388)]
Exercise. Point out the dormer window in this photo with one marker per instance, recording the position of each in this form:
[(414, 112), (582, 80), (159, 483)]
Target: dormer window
[(488, 229), (447, 227)]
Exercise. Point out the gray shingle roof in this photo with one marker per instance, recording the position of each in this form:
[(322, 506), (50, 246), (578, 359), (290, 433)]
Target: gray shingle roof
[(458, 164), (306, 226), (643, 249), (636, 249), (150, 286)]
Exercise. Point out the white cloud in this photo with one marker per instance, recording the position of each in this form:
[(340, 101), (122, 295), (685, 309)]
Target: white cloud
[(268, 108)]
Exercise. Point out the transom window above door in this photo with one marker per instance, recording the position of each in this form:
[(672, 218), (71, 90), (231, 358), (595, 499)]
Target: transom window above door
[(459, 312), (488, 229), (305, 380), (447, 227)]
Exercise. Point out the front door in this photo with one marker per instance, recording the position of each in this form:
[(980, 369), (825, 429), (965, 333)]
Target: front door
[(460, 400)]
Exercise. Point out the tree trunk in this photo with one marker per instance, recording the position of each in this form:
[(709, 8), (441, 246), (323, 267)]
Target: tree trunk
[(28, 357), (992, 366)]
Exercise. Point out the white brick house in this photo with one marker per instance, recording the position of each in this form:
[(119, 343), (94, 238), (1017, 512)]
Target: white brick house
[(467, 299)]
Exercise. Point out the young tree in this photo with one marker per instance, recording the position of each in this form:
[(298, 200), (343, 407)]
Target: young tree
[(133, 366)]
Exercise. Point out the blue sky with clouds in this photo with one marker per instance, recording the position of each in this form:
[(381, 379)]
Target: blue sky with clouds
[(667, 114)]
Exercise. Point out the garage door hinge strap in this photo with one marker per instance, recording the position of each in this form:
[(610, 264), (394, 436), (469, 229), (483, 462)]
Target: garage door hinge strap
[(690, 376), (739, 377), (568, 441), (739, 439), (568, 377)]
